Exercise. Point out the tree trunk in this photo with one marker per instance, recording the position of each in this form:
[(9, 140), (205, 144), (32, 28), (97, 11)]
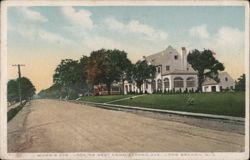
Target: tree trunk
[(200, 81), (109, 88)]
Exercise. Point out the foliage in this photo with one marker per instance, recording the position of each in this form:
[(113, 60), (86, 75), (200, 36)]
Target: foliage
[(27, 89), (205, 64), (108, 66), (12, 88), (69, 75), (241, 83), (142, 71)]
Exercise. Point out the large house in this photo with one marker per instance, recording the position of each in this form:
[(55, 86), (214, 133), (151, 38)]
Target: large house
[(173, 72)]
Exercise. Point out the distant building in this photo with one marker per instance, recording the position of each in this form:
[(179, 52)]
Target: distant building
[(172, 72), (226, 83)]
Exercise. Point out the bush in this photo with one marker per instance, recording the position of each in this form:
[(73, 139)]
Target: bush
[(72, 95), (190, 101)]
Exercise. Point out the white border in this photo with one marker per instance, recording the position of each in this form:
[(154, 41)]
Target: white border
[(113, 155)]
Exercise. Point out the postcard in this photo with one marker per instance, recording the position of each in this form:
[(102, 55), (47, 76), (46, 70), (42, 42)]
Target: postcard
[(124, 79)]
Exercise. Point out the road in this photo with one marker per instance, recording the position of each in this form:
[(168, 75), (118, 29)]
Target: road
[(59, 126)]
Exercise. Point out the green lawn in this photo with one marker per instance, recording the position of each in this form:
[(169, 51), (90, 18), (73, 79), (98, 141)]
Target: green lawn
[(103, 99), (224, 103), (228, 103)]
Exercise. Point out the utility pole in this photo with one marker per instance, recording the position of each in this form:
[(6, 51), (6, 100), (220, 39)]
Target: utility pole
[(19, 81)]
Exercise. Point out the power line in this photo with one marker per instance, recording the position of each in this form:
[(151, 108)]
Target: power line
[(19, 80)]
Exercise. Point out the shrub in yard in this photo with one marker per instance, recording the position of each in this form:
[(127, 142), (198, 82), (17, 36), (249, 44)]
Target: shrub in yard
[(190, 101), (180, 91), (73, 94), (186, 90)]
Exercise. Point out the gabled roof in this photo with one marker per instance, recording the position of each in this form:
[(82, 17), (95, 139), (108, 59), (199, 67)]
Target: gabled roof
[(156, 59), (209, 81)]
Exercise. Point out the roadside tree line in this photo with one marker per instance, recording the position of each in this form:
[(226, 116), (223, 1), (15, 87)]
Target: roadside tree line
[(103, 66), (106, 66)]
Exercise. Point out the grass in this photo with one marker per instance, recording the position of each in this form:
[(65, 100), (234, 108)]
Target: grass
[(224, 103), (231, 104), (12, 112), (103, 99)]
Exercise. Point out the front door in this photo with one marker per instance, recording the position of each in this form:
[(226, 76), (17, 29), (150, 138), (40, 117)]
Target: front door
[(213, 88)]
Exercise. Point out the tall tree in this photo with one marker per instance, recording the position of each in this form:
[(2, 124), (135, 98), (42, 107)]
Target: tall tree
[(241, 83), (205, 64), (107, 66), (142, 71), (71, 74), (12, 90), (27, 89)]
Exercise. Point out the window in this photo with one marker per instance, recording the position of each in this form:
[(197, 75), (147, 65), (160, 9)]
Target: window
[(190, 82), (167, 68), (178, 82), (226, 79), (153, 85), (166, 83), (159, 69), (187, 69), (175, 57), (159, 84)]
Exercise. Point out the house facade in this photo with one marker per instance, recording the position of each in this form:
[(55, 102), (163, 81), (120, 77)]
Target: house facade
[(226, 83), (173, 72)]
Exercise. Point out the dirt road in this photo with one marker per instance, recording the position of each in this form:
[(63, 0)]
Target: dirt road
[(57, 126)]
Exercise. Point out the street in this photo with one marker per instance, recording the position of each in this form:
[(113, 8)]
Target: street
[(59, 126)]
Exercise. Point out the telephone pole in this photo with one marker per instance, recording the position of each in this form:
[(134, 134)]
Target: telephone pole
[(19, 80)]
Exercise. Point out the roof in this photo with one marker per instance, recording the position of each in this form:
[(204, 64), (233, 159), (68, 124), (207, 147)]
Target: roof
[(157, 58), (209, 81)]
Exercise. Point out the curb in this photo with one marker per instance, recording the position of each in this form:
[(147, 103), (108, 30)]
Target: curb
[(199, 115)]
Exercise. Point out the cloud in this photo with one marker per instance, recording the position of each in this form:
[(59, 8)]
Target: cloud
[(33, 15), (136, 27), (231, 39), (52, 37), (199, 31), (78, 18)]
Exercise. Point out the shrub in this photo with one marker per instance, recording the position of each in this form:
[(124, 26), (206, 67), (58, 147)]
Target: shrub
[(190, 101)]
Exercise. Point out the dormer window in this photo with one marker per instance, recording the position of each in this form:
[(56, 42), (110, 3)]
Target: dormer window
[(226, 79), (175, 57)]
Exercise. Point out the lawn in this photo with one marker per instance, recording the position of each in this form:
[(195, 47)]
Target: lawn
[(227, 103), (224, 103), (103, 99)]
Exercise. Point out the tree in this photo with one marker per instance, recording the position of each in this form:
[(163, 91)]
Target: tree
[(205, 64), (116, 66), (12, 88), (71, 74), (107, 66), (27, 89), (142, 71), (241, 83)]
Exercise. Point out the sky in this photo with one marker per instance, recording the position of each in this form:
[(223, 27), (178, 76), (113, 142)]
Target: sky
[(40, 37)]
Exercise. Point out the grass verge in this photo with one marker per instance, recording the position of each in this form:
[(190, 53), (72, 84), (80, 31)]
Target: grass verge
[(12, 112), (104, 99)]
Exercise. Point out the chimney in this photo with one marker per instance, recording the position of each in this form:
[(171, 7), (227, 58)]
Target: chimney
[(184, 58)]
